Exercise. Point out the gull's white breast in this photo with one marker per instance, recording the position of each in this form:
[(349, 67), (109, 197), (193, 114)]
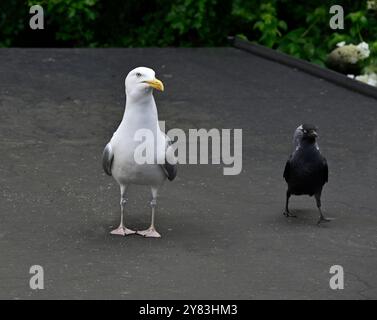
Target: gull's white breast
[(125, 169)]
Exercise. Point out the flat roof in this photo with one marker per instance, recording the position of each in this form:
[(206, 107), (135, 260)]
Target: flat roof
[(224, 237)]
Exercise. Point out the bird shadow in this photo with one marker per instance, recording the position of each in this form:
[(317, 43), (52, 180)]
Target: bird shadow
[(304, 217)]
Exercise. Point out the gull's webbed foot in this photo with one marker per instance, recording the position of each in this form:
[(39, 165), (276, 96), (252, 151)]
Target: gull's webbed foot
[(149, 233), (122, 231)]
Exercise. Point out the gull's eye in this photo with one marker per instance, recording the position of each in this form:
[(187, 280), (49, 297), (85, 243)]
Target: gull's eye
[(138, 74)]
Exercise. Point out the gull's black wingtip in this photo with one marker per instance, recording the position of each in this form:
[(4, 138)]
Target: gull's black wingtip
[(170, 170), (107, 159)]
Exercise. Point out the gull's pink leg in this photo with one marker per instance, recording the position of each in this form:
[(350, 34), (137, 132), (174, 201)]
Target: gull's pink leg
[(151, 231), (122, 230)]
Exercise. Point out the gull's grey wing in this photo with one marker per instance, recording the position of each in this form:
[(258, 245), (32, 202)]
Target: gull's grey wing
[(169, 169), (107, 159)]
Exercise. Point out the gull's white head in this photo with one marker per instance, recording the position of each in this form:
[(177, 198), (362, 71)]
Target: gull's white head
[(141, 81)]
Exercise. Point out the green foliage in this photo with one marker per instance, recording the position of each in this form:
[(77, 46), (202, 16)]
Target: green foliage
[(190, 15), (372, 66), (269, 25), (72, 19), (300, 27), (303, 31), (11, 22), (299, 42)]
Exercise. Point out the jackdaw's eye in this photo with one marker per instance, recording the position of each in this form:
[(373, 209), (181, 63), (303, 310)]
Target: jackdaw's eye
[(138, 74), (305, 131)]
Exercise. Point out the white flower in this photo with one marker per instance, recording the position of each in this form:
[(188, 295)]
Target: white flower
[(340, 44), (371, 5), (352, 76), (370, 78), (364, 50), (350, 53)]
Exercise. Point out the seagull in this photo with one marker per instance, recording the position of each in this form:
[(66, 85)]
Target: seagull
[(306, 171), (119, 157)]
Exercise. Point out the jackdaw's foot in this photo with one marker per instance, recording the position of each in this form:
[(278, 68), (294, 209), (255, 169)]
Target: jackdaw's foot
[(288, 214), (323, 219)]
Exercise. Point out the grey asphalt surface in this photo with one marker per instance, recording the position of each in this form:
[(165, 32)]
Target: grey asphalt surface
[(224, 237)]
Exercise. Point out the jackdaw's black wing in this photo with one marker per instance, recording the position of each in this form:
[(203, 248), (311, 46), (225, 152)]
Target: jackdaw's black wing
[(287, 169)]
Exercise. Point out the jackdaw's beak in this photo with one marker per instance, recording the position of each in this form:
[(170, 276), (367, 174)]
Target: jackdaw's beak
[(313, 134)]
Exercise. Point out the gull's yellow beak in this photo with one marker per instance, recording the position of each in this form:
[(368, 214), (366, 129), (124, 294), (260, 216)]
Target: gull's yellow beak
[(156, 84)]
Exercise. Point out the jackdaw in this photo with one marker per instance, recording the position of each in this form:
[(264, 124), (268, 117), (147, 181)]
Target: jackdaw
[(306, 170)]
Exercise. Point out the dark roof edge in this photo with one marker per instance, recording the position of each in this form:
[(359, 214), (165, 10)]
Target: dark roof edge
[(305, 66)]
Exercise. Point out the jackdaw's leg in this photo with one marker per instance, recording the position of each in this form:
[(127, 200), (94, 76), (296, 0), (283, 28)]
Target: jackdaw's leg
[(151, 231), (122, 230), (286, 212), (321, 216)]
